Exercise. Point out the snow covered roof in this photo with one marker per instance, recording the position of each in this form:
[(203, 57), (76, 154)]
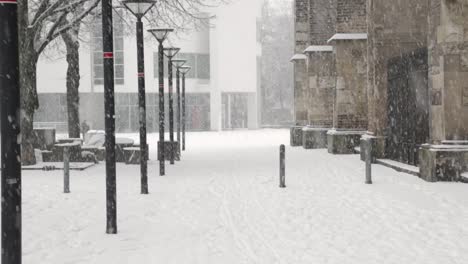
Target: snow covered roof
[(321, 48), (348, 36), (298, 57)]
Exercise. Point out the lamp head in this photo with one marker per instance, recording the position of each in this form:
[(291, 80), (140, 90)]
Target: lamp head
[(160, 33), (185, 69), (139, 8), (178, 63), (171, 52)]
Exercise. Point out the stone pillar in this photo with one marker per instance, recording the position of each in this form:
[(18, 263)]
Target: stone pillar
[(321, 86), (300, 89), (320, 72), (350, 102), (301, 36), (394, 28), (447, 155)]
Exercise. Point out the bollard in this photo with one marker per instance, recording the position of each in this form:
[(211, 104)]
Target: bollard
[(368, 161), (66, 170), (282, 166)]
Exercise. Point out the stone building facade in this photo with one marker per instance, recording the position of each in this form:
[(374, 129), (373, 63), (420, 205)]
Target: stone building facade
[(314, 109), (350, 104), (401, 71)]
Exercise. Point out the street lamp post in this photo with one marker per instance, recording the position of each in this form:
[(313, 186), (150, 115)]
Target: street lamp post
[(139, 9), (109, 109), (178, 64), (184, 70), (170, 53), (161, 34), (10, 131)]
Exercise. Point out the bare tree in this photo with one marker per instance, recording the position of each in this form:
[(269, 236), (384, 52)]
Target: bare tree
[(40, 22), (72, 43)]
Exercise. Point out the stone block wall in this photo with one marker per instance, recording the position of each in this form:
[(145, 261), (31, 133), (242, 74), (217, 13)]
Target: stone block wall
[(322, 19), (351, 67), (301, 93), (321, 78), (351, 16), (321, 69), (301, 25)]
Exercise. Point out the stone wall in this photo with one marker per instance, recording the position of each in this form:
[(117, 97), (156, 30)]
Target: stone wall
[(321, 76), (301, 93), (351, 85), (301, 25), (351, 66), (321, 68), (322, 19), (351, 16)]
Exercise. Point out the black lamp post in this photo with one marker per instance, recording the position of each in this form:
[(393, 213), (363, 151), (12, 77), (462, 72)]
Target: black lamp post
[(161, 34), (109, 113), (170, 53), (139, 9), (10, 130), (184, 70), (177, 64)]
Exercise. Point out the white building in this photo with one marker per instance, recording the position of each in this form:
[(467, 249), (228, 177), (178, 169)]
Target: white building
[(221, 88)]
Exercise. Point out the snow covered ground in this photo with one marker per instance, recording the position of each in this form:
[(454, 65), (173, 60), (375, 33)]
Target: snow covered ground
[(222, 205)]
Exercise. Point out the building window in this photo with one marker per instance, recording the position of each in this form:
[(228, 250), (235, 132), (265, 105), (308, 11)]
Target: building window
[(200, 64), (98, 66)]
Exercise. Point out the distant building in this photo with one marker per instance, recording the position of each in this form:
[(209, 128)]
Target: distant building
[(221, 88)]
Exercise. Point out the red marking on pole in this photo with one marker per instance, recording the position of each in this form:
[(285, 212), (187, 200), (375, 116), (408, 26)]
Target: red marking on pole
[(141, 74), (108, 55), (8, 1)]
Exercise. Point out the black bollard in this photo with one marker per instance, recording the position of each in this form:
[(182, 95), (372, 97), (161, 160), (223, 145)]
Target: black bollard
[(282, 166), (368, 161), (66, 170)]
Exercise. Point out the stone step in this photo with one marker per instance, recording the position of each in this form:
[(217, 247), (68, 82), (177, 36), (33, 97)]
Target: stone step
[(399, 166)]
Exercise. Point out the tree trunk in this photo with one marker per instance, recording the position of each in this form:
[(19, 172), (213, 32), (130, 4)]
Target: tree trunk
[(29, 104), (29, 98), (70, 38)]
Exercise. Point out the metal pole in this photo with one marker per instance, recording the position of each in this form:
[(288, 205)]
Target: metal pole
[(142, 107), (66, 170), (108, 53), (178, 110), (183, 111), (10, 130), (282, 166), (368, 161), (161, 155), (171, 112)]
